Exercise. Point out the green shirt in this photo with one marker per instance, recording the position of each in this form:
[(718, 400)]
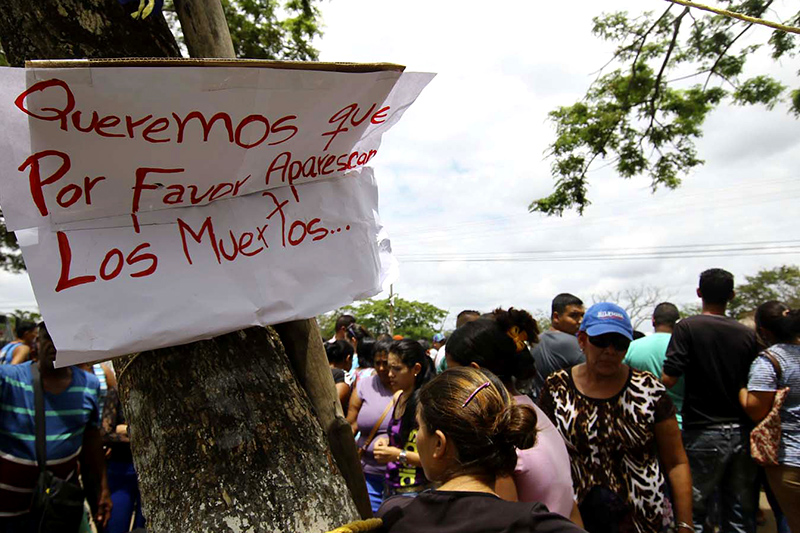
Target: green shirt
[(648, 353)]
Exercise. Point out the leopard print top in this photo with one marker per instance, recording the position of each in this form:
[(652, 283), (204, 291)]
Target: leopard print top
[(612, 441)]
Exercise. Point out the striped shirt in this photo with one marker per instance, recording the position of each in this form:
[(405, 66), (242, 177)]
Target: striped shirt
[(67, 415), (100, 373), (7, 353)]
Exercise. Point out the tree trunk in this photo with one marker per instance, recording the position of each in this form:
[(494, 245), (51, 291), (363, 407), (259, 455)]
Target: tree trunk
[(222, 435), (224, 438), (76, 29)]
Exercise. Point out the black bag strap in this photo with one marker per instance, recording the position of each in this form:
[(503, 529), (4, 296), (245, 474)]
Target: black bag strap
[(775, 364), (41, 430)]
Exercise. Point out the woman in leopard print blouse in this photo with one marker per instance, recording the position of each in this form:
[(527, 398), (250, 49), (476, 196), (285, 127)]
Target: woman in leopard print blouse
[(618, 423)]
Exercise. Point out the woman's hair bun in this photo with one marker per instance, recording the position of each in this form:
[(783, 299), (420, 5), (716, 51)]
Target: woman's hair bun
[(516, 425)]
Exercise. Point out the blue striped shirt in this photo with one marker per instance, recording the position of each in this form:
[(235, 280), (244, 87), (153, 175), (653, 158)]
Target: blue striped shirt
[(67, 416), (7, 353), (764, 379)]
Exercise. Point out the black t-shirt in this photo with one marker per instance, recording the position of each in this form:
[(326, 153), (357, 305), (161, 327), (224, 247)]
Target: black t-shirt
[(338, 375), (465, 512), (714, 354)]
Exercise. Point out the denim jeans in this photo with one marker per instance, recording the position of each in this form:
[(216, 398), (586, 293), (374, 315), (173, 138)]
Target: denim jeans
[(719, 457)]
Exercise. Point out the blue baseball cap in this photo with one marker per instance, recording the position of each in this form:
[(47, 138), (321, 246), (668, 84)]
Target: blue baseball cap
[(606, 317), (439, 337)]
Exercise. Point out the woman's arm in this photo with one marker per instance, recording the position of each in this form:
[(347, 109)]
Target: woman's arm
[(353, 409), (676, 465), (343, 390), (110, 431), (384, 453), (756, 403)]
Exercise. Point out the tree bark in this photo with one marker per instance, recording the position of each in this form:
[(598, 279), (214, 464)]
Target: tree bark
[(205, 29), (302, 340), (76, 29), (222, 435), (224, 438)]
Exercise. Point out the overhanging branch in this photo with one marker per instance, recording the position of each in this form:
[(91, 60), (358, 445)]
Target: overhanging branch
[(739, 16)]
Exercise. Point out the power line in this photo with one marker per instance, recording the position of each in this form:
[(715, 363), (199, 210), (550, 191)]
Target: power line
[(741, 252), (673, 248)]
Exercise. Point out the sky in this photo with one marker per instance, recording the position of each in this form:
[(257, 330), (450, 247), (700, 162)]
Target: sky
[(458, 172)]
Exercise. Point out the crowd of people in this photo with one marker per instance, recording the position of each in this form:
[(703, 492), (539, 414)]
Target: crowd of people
[(86, 437), (611, 430), (496, 427)]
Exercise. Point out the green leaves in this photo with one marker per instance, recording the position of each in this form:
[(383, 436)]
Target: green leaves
[(781, 283), (645, 116), (409, 318), (759, 90), (258, 32)]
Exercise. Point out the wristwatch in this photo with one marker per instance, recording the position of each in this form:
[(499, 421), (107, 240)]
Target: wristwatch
[(403, 458)]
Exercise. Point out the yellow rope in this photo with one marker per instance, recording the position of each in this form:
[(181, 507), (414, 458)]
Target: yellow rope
[(359, 526), (732, 14)]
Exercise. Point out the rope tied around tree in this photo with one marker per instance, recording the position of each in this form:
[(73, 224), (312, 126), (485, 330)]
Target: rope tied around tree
[(739, 16), (359, 526)]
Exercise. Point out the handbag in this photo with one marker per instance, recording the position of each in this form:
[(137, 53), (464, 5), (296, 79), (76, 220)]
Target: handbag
[(363, 448), (765, 439), (57, 503)]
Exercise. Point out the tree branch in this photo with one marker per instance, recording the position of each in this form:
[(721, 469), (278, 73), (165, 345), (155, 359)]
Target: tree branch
[(739, 16), (712, 71), (657, 88)]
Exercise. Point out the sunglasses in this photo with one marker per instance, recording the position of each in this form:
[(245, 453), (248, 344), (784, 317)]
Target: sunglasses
[(616, 340)]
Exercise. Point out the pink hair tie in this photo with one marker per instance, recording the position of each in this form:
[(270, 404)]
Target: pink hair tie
[(476, 391)]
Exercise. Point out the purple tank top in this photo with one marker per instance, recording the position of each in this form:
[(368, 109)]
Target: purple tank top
[(397, 475), (374, 399)]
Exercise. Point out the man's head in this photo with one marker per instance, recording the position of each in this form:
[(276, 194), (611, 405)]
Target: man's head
[(467, 315), (26, 332), (342, 323), (439, 340), (45, 348), (665, 316), (716, 287), (566, 313)]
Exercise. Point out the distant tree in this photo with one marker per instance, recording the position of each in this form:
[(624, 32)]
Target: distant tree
[(686, 310), (671, 70), (542, 319), (780, 283), (30, 316), (327, 323), (639, 302), (412, 319)]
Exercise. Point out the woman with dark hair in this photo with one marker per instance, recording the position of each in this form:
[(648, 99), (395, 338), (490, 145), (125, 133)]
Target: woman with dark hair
[(409, 369), (622, 434), (497, 342), (469, 430), (369, 417), (776, 368), (340, 357), (366, 364)]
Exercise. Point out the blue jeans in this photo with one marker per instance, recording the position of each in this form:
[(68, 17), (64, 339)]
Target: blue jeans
[(719, 457), (375, 490), (124, 487)]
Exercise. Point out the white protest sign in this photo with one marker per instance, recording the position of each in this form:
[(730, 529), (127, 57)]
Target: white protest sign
[(133, 244), (153, 138)]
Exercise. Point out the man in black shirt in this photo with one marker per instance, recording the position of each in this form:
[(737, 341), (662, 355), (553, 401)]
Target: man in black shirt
[(714, 354)]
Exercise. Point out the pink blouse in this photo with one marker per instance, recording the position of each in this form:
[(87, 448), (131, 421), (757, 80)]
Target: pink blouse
[(543, 472)]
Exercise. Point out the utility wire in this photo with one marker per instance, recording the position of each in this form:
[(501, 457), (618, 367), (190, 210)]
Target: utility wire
[(597, 258)]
